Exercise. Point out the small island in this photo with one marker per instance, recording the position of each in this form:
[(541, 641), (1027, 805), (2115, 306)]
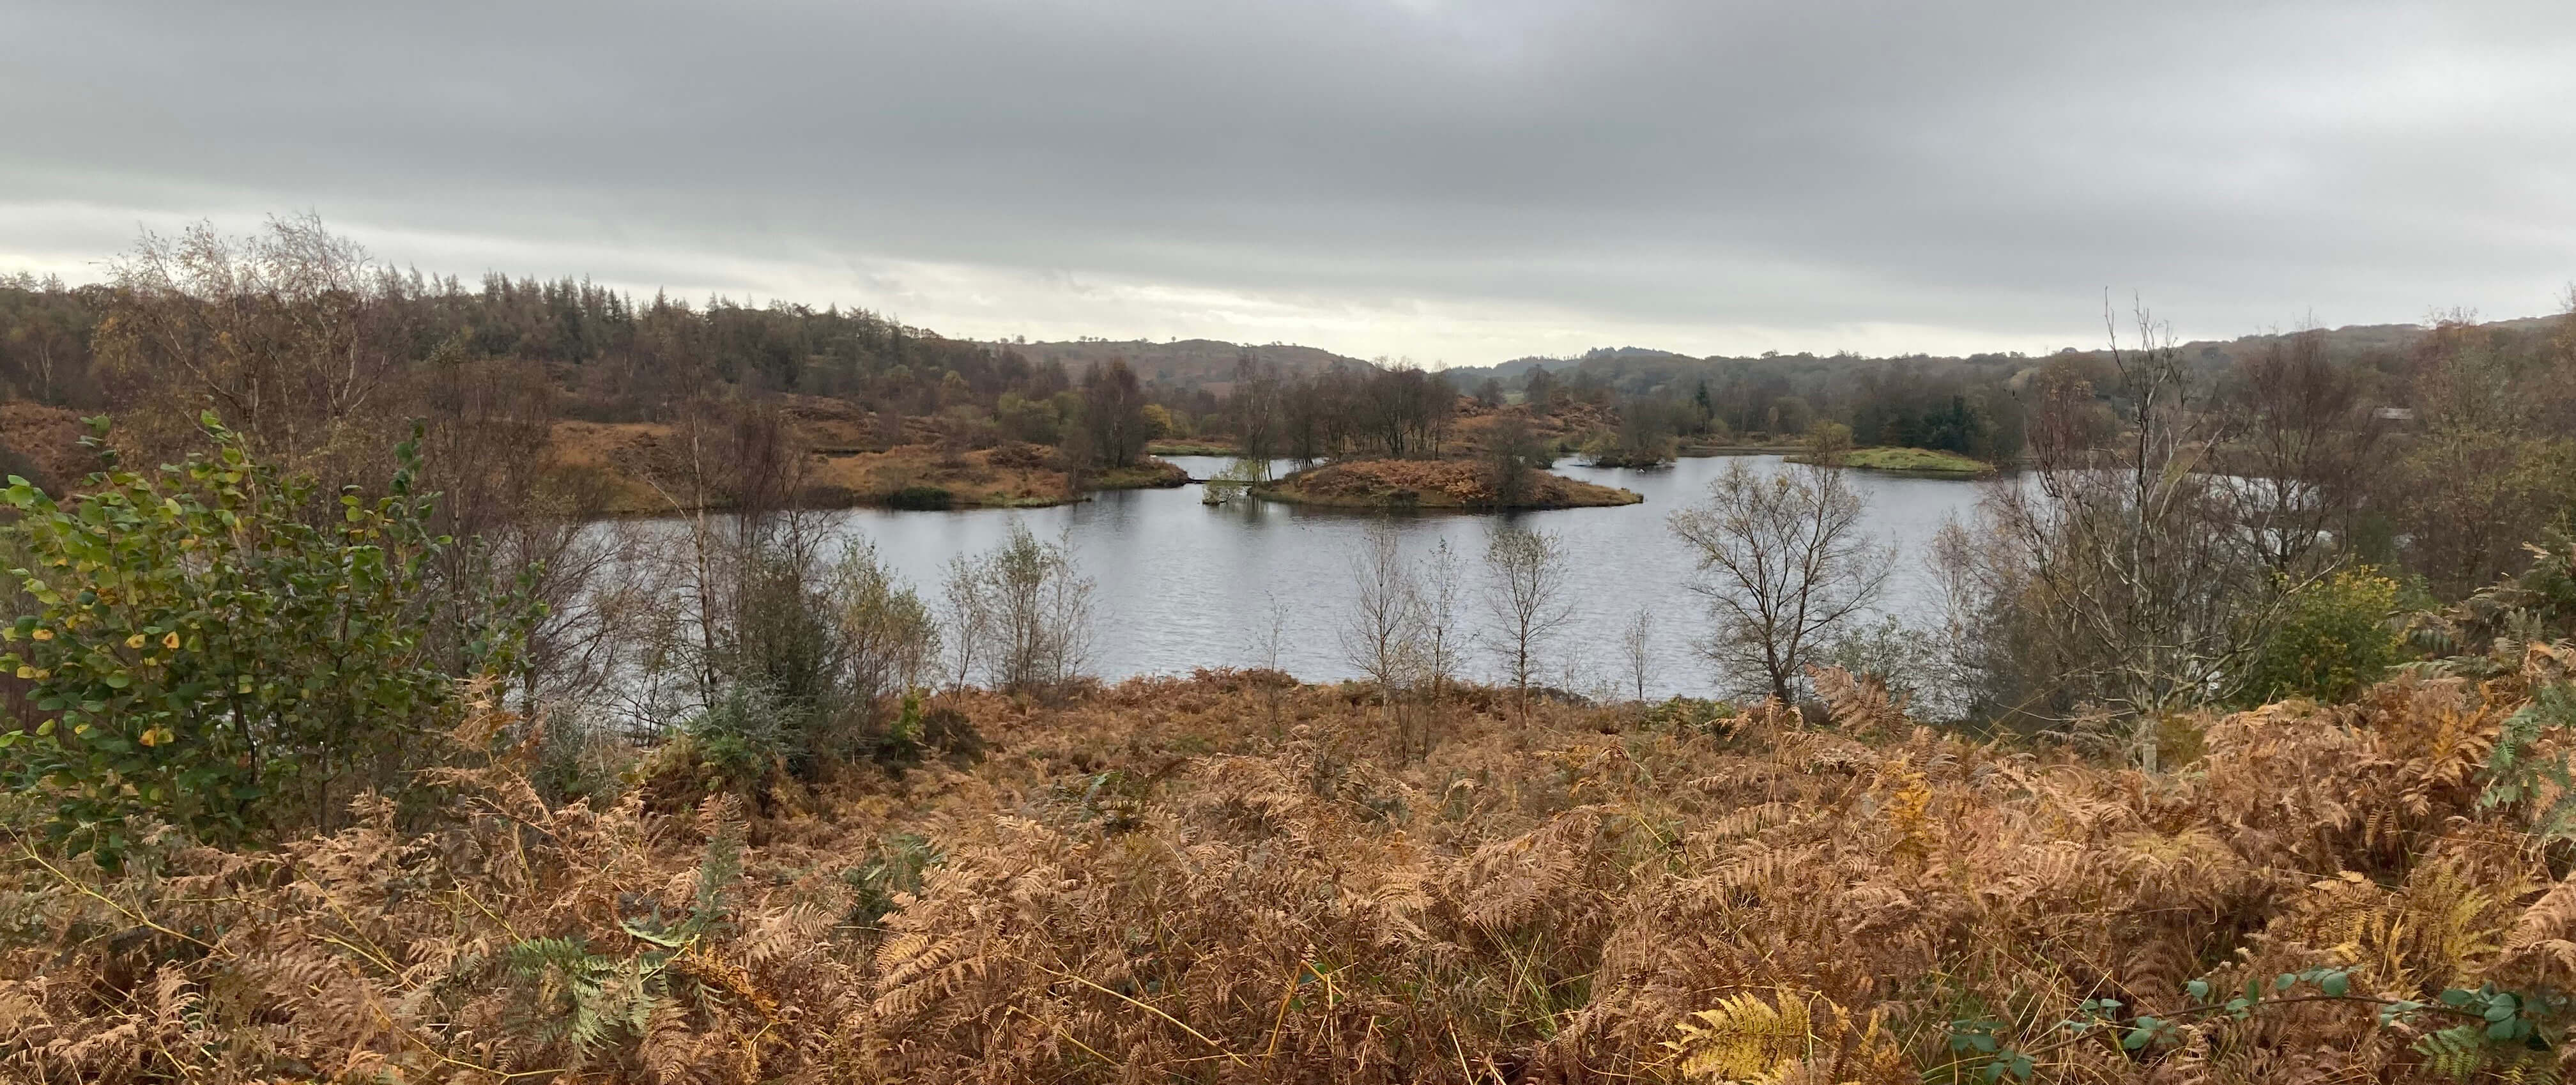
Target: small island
[(1921, 462), (1437, 484)]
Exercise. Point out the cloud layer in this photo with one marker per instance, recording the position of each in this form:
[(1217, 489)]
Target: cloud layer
[(1454, 182)]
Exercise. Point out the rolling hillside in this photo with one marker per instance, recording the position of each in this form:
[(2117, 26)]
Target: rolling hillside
[(1187, 364)]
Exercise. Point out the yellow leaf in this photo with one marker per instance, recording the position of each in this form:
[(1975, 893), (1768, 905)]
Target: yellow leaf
[(151, 738), (135, 641), (44, 634)]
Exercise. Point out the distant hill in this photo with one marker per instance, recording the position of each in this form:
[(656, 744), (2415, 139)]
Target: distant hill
[(1517, 370), (1635, 369), (1187, 364), (2352, 340)]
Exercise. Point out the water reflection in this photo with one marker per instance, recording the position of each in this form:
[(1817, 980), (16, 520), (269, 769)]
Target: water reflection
[(1183, 584)]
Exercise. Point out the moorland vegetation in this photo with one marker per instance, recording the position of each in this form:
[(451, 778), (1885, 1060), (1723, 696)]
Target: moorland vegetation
[(343, 746)]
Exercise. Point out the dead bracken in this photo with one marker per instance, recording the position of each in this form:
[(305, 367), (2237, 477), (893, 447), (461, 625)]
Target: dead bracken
[(1234, 878)]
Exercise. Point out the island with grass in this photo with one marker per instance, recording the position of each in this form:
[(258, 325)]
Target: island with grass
[(1922, 462), (1438, 484)]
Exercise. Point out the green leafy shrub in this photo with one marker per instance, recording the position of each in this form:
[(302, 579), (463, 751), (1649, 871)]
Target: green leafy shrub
[(2335, 640), (200, 652), (740, 745), (896, 868)]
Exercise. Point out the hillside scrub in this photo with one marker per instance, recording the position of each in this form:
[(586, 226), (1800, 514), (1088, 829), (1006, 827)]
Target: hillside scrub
[(650, 468), (1149, 882)]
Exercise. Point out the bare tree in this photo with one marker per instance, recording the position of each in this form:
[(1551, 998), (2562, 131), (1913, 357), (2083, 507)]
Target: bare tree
[(2142, 568), (962, 612), (2302, 453), (1022, 612), (889, 638), (277, 332), (1378, 639), (1274, 636), (1527, 594), (1637, 650), (1783, 562), (1440, 640)]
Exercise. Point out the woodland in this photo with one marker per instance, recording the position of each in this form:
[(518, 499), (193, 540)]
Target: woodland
[(347, 739)]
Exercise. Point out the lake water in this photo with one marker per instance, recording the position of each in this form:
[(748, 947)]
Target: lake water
[(1183, 584)]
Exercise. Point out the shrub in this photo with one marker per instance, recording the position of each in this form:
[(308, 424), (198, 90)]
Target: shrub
[(2335, 640), (1021, 614), (739, 745), (896, 868), (201, 653), (921, 499)]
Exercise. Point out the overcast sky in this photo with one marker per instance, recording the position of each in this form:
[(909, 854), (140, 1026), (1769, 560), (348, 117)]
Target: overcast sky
[(1452, 181)]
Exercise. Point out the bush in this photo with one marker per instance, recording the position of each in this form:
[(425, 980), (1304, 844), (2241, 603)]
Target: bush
[(896, 868), (2335, 640), (802, 667), (740, 745), (578, 757), (1021, 614), (201, 654), (921, 499), (1917, 666)]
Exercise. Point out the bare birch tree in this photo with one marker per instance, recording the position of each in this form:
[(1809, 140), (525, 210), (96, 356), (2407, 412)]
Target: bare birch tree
[(1378, 638), (2149, 576), (1274, 637), (1783, 562), (1637, 650), (1440, 640), (1526, 592), (1022, 613)]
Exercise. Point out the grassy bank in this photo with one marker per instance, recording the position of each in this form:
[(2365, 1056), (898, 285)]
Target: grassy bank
[(1432, 484)]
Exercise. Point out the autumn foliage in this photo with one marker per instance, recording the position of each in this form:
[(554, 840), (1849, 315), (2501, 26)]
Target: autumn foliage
[(1435, 484), (1189, 880)]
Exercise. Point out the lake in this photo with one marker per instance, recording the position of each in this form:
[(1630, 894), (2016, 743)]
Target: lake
[(1183, 584)]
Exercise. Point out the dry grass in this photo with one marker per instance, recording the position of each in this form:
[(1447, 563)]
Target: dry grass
[(1223, 879), (643, 465)]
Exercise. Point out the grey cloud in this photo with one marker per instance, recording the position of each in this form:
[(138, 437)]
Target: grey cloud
[(1984, 168)]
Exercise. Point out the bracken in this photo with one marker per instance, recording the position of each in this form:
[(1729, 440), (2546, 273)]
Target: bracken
[(1153, 884)]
